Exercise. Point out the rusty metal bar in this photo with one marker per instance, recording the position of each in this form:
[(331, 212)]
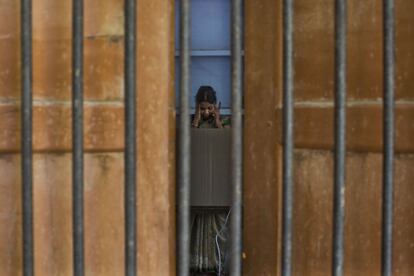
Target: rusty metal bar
[(184, 140), (236, 140), (77, 138), (388, 134), (340, 134), (130, 138), (26, 124), (288, 137)]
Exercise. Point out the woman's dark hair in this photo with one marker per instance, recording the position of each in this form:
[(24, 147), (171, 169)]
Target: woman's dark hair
[(206, 94)]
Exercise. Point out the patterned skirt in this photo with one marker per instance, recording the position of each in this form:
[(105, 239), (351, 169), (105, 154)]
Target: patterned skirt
[(209, 240)]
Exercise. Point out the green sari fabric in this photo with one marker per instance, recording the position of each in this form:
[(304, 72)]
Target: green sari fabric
[(211, 123), (209, 240)]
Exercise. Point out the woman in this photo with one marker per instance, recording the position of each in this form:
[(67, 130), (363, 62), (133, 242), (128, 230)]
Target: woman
[(209, 225)]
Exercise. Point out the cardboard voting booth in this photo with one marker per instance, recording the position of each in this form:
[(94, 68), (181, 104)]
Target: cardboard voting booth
[(210, 167)]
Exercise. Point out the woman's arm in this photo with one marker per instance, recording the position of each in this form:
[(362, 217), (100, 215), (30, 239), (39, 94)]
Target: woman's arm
[(216, 115), (197, 116)]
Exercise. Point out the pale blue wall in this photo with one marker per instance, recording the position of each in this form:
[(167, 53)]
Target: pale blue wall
[(210, 44)]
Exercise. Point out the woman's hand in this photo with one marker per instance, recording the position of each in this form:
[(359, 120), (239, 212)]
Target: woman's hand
[(197, 117), (216, 115)]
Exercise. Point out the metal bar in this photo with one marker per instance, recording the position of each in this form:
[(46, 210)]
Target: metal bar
[(388, 159), (236, 140), (130, 138), (26, 123), (288, 137), (77, 138), (340, 143), (184, 140)]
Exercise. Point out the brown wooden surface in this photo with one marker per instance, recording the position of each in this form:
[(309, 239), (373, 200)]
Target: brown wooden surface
[(314, 65), (314, 52), (104, 214), (314, 130), (104, 233), (156, 209), (10, 216), (156, 135), (404, 216), (261, 150), (104, 128), (313, 214), (314, 127), (404, 34)]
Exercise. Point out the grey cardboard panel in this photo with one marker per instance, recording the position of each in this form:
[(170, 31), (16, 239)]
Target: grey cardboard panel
[(210, 167)]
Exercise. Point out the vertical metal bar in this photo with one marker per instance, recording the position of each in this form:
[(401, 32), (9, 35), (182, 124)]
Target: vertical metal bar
[(288, 137), (388, 158), (184, 140), (77, 138), (26, 123), (236, 140), (340, 143), (130, 138)]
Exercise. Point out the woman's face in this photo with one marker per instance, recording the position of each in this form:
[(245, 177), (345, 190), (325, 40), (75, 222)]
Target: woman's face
[(206, 110)]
